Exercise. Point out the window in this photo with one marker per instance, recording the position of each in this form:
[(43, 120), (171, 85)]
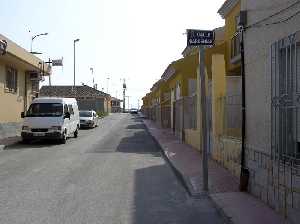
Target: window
[(71, 109), (285, 99), (34, 86), (66, 109), (11, 79)]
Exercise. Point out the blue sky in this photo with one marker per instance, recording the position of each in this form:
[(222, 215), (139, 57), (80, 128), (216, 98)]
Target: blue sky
[(132, 39)]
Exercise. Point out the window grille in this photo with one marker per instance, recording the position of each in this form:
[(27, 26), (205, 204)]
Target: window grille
[(11, 83)]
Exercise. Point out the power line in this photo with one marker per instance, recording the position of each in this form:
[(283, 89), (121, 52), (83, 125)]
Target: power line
[(285, 20), (273, 15)]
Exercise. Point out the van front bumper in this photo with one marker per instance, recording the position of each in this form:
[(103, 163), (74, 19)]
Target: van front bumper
[(46, 135)]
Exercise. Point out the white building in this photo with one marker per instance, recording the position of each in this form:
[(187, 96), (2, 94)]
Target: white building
[(272, 67)]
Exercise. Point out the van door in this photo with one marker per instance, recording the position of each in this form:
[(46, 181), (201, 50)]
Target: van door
[(66, 120), (72, 121)]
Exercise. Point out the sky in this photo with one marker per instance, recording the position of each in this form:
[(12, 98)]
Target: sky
[(133, 40)]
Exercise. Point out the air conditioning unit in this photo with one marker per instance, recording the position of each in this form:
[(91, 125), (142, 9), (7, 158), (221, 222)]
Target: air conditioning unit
[(35, 76)]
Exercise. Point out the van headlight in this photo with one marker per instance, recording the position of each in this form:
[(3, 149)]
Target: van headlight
[(25, 128), (56, 128)]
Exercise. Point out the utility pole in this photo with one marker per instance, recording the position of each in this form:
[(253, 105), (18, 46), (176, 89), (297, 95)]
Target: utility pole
[(92, 71), (76, 40), (128, 101), (124, 94), (49, 62)]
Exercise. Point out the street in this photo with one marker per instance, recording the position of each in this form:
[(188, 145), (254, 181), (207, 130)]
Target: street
[(111, 174)]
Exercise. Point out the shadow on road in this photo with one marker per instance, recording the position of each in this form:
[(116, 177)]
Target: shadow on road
[(33, 144), (159, 198), (136, 126), (141, 142)]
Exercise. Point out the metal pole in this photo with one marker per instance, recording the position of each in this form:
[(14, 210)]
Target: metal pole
[(244, 176), (74, 63), (49, 62), (128, 101), (203, 137), (31, 44), (123, 100)]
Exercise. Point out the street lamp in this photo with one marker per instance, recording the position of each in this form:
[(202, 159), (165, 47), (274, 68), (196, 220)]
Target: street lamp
[(107, 84), (35, 36), (76, 40)]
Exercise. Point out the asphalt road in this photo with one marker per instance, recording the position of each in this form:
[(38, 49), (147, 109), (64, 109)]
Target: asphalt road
[(112, 174)]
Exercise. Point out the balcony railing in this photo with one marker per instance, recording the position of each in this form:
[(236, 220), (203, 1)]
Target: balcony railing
[(235, 47)]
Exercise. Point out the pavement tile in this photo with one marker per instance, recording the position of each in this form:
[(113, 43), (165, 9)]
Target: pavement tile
[(245, 209)]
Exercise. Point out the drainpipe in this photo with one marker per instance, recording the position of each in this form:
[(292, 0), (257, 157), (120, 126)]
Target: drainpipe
[(25, 95), (244, 178)]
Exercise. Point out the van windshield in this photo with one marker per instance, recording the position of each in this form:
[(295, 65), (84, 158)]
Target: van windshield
[(45, 110)]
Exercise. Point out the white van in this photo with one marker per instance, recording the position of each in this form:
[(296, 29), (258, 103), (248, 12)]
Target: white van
[(51, 118)]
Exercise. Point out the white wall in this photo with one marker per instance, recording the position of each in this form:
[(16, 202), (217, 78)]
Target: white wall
[(258, 41)]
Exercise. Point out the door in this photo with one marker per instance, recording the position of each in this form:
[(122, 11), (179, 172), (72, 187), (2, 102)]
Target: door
[(72, 120), (66, 125)]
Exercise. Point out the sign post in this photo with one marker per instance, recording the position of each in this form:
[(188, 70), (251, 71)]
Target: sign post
[(56, 62), (202, 38)]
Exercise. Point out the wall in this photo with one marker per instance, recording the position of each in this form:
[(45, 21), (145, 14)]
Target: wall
[(230, 30), (218, 91), (12, 104), (258, 40), (92, 104), (192, 136)]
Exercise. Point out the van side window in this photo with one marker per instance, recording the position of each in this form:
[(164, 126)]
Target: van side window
[(66, 109), (71, 109)]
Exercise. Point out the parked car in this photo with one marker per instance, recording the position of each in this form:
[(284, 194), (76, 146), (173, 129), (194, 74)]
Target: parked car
[(88, 118), (51, 118), (133, 111)]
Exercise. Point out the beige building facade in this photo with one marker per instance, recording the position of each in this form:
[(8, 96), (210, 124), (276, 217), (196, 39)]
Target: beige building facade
[(20, 74)]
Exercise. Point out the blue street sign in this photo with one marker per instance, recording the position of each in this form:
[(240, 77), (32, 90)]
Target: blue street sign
[(200, 37)]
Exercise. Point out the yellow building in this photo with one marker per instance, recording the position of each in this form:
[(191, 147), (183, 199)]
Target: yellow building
[(193, 135), (20, 73), (146, 105), (180, 78), (224, 69)]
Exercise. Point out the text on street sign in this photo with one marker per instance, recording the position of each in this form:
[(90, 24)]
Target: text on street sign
[(200, 37)]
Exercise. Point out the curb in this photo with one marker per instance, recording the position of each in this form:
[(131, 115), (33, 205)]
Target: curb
[(9, 141), (186, 183), (180, 176), (221, 211)]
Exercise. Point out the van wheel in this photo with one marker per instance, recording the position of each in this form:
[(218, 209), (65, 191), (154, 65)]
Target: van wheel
[(76, 133), (25, 141), (64, 138)]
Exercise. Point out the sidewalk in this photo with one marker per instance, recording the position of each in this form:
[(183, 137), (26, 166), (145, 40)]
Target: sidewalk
[(223, 186), (9, 141)]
